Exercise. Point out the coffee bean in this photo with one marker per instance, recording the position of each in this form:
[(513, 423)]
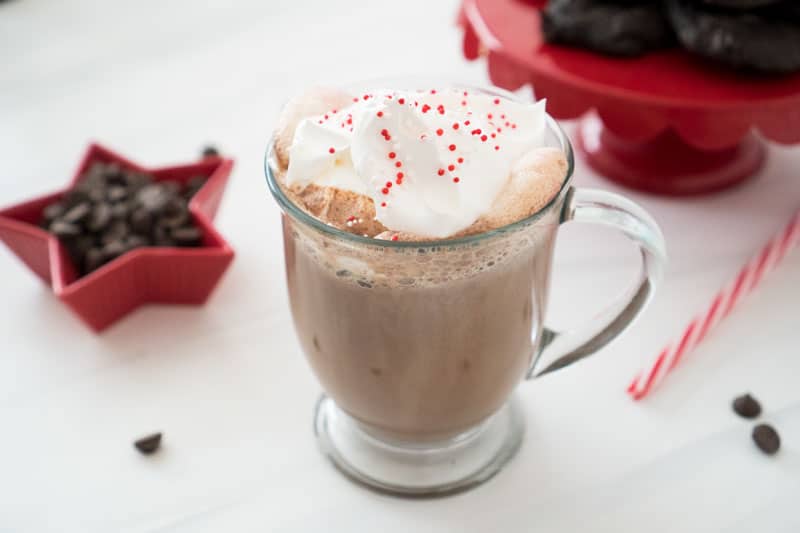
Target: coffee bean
[(115, 193), (746, 406), (100, 217), (149, 444), (153, 197), (94, 259), (766, 438), (210, 151), (189, 236), (64, 230), (53, 211)]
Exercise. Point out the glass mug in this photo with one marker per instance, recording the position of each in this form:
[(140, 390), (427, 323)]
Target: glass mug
[(420, 345)]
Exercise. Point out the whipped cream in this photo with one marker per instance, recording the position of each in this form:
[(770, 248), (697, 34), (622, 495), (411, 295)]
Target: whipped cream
[(432, 161)]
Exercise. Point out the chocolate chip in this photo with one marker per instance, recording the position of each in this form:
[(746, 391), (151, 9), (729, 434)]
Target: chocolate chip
[(115, 193), (210, 151), (746, 406), (100, 217), (161, 237), (135, 241), (119, 211), (78, 213), (114, 249), (766, 438), (141, 221), (53, 211), (196, 182), (95, 258), (153, 197), (63, 229), (75, 197), (175, 220), (117, 231), (189, 236), (149, 444)]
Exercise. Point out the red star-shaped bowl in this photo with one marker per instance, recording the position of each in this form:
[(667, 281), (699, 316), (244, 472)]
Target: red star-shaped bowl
[(144, 275)]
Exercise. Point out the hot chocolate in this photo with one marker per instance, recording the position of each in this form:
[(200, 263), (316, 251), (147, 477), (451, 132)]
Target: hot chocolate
[(418, 343)]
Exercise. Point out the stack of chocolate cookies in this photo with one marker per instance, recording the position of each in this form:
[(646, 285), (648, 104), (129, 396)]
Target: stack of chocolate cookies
[(749, 35)]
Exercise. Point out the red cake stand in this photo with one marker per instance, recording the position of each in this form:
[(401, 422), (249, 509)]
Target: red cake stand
[(666, 122)]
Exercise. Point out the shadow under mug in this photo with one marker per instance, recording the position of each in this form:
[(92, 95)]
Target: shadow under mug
[(420, 345)]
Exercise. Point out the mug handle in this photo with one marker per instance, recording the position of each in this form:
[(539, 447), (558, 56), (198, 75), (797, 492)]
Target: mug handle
[(559, 349)]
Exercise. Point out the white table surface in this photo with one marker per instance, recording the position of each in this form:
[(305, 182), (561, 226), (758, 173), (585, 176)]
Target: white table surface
[(228, 384)]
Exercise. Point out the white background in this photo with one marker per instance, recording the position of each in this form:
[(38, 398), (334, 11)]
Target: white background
[(228, 384)]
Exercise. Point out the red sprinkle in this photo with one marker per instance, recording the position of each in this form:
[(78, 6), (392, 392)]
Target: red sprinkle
[(496, 147), (455, 126), (399, 175), (489, 116), (513, 126), (463, 102), (496, 100), (325, 117), (476, 131), (389, 184), (398, 164), (451, 167), (366, 97), (394, 237), (456, 179), (440, 132), (392, 155), (440, 109), (484, 137), (441, 172), (426, 108), (380, 114), (383, 204), (466, 122), (433, 91), (351, 218), (493, 135), (503, 117), (401, 100), (460, 160), (465, 93), (385, 190), (355, 99), (331, 150), (452, 147)]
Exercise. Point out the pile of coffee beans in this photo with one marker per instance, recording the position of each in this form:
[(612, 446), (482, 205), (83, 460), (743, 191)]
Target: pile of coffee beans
[(113, 210)]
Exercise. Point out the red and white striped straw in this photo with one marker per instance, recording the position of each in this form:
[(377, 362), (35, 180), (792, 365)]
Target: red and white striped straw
[(723, 303)]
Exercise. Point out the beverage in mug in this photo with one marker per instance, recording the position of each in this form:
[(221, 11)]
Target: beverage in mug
[(419, 227)]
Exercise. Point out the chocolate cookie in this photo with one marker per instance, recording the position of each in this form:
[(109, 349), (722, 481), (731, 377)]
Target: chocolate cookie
[(618, 27), (750, 40)]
